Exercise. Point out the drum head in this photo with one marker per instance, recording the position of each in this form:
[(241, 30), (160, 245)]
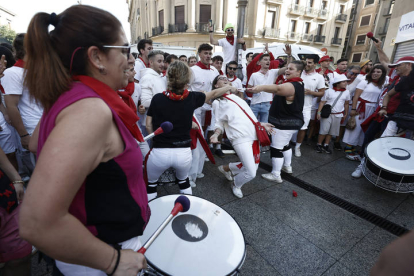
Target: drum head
[(205, 240), (394, 154)]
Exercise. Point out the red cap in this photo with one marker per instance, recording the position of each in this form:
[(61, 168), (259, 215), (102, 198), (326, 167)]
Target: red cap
[(402, 60), (369, 35), (324, 58)]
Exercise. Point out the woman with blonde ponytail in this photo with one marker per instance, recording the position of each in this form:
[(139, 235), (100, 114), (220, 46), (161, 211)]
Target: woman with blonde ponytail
[(86, 203)]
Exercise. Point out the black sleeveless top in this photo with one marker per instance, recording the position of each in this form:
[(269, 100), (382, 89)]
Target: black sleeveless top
[(288, 116)]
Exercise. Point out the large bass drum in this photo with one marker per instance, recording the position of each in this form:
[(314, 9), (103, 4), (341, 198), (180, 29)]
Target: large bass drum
[(205, 240), (389, 164)]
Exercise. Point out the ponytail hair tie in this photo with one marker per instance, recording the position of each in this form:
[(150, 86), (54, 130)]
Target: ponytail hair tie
[(53, 20)]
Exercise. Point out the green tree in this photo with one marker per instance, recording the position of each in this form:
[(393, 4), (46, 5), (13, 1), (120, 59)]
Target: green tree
[(7, 34)]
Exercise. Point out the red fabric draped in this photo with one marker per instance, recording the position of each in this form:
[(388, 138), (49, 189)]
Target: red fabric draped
[(126, 96)]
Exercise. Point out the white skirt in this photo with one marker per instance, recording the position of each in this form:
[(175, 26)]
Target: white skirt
[(355, 137)]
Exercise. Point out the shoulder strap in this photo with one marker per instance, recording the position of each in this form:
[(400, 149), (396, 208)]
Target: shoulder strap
[(337, 98), (241, 109)]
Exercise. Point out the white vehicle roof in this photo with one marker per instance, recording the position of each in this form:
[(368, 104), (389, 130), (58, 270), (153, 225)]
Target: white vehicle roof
[(176, 50)]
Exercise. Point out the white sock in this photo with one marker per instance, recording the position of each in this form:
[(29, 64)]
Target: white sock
[(298, 145), (287, 156), (277, 164), (325, 145), (218, 146), (187, 191)]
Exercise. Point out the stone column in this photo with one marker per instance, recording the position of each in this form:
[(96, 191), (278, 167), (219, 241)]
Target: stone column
[(219, 17), (167, 15), (191, 16)]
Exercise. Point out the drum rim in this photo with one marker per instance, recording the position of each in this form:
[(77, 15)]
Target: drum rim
[(244, 238)]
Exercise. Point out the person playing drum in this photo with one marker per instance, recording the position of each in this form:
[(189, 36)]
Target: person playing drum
[(242, 134), (176, 105), (86, 203)]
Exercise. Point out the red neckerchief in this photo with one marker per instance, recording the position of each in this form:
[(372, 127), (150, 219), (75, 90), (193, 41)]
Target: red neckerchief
[(175, 97), (293, 80), (197, 134), (164, 72), (111, 98), (19, 63), (327, 71), (126, 96), (202, 65), (339, 89), (339, 72), (2, 89), (221, 72), (280, 79), (362, 73), (146, 65), (230, 39), (232, 79)]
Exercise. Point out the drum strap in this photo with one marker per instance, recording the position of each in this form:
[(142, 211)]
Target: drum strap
[(184, 184)]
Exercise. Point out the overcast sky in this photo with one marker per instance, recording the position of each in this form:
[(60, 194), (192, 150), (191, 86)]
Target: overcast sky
[(25, 9)]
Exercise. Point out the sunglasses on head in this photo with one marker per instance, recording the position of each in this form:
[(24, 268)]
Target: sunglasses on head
[(230, 30), (126, 49), (232, 68)]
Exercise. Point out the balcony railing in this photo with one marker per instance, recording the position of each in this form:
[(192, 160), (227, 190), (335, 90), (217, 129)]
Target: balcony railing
[(336, 41), (310, 12), (202, 27), (307, 38), (323, 14), (319, 39), (269, 32), (177, 28), (341, 18), (292, 36), (157, 30), (296, 9)]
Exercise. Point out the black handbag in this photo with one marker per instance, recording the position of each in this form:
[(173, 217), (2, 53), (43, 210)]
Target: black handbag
[(327, 108)]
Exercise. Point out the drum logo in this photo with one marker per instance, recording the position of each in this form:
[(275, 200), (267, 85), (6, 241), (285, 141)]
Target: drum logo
[(399, 154), (189, 228)]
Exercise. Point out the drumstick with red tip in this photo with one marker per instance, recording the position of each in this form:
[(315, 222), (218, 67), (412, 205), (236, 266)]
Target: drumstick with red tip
[(165, 127), (371, 35), (181, 204)]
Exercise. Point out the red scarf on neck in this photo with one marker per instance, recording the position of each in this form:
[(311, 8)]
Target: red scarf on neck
[(327, 71), (293, 80), (175, 97), (111, 98), (362, 73), (339, 89), (126, 96), (232, 79), (20, 63), (339, 72), (230, 39), (146, 65), (221, 72), (202, 65)]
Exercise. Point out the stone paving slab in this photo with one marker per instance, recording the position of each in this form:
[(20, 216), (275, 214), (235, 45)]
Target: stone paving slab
[(256, 265), (329, 227), (338, 270), (404, 214), (287, 251)]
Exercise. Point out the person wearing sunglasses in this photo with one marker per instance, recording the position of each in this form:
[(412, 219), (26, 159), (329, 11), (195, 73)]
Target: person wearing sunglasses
[(86, 204), (231, 77), (229, 44)]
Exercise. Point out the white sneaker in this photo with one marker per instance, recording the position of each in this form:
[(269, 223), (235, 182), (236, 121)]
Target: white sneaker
[(236, 191), (358, 172), (193, 184), (297, 152), (226, 174), (287, 169), (206, 159), (272, 177), (200, 175)]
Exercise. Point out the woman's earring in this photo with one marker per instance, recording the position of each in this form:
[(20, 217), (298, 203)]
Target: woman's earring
[(102, 70)]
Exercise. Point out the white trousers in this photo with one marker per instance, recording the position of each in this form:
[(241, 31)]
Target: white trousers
[(245, 170), (80, 270), (160, 159), (197, 163), (355, 137)]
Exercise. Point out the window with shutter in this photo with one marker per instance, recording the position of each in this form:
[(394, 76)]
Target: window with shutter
[(205, 13), (179, 15), (365, 20), (357, 57), (161, 18)]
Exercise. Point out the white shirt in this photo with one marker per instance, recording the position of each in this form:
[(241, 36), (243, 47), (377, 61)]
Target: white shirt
[(259, 78), (202, 78), (151, 83), (236, 82), (244, 71), (352, 87), (230, 118), (314, 82), (370, 92), (229, 51), (29, 109), (331, 95), (139, 65)]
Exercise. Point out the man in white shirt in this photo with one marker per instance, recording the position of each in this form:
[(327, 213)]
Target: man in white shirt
[(249, 58), (152, 81), (341, 67), (231, 76), (144, 48), (218, 64), (314, 87), (260, 102), (229, 43)]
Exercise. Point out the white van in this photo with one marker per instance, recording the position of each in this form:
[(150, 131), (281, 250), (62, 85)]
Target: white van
[(176, 50)]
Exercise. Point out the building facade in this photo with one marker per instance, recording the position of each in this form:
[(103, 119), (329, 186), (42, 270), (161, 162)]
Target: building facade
[(6, 17), (317, 23)]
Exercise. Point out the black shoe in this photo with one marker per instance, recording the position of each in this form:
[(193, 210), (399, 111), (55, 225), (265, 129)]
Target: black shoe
[(219, 153), (319, 149), (337, 146), (212, 151), (326, 149)]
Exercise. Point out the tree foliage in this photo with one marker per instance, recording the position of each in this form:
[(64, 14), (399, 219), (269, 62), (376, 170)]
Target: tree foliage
[(7, 34)]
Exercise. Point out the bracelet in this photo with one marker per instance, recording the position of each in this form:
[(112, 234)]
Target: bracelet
[(319, 112), (18, 182), (353, 109), (211, 31), (117, 261), (27, 134), (384, 107), (244, 43)]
